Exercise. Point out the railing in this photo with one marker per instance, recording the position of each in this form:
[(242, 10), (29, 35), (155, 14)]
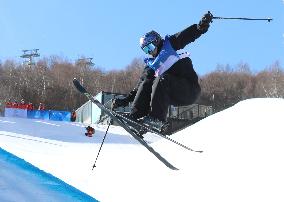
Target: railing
[(181, 117), (191, 112)]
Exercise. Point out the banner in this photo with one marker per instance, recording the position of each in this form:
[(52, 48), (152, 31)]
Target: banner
[(15, 112), (38, 114), (59, 115)]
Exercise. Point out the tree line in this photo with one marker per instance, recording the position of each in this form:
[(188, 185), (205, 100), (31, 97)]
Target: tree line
[(49, 81), (226, 86)]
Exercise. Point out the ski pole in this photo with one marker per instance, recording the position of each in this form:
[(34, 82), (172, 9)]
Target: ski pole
[(101, 146), (230, 18), (226, 18)]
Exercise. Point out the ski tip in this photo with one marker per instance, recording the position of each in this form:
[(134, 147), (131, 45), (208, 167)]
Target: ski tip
[(78, 86), (75, 81)]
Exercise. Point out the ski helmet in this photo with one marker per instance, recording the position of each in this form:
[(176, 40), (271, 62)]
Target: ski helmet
[(150, 41)]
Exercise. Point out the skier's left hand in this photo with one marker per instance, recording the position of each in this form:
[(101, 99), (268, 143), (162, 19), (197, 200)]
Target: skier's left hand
[(205, 22)]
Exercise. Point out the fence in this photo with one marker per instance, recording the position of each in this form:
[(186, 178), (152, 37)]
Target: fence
[(190, 112), (181, 117)]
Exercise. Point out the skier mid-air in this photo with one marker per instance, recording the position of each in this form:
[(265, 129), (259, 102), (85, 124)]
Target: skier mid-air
[(168, 77)]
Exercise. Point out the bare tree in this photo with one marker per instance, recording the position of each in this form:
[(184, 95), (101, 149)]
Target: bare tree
[(50, 81), (270, 82)]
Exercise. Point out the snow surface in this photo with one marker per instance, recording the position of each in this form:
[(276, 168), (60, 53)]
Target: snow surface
[(242, 158), (18, 178)]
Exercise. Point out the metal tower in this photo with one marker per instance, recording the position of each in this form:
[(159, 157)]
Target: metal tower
[(85, 62), (28, 55)]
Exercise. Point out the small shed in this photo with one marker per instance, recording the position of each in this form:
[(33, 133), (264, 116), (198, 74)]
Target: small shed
[(89, 113)]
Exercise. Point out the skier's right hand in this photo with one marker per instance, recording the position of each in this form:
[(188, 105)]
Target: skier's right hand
[(118, 103), (204, 23)]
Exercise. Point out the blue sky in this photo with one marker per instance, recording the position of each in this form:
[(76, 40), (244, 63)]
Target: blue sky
[(109, 31)]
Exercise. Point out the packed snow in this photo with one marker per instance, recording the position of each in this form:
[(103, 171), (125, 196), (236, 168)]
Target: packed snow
[(241, 160), (22, 182)]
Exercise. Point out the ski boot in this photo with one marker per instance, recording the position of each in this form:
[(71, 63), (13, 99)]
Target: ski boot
[(155, 124), (138, 130)]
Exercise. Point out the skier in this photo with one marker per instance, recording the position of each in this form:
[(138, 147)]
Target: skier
[(168, 77)]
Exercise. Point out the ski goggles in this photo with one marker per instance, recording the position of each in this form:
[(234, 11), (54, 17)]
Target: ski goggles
[(149, 48)]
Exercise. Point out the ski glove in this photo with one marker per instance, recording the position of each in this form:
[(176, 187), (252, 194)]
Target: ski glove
[(118, 103), (203, 25)]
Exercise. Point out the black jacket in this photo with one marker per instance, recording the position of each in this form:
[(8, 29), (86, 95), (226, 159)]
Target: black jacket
[(183, 68)]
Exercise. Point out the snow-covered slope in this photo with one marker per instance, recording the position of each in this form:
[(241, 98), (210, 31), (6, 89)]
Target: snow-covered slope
[(21, 181), (242, 158)]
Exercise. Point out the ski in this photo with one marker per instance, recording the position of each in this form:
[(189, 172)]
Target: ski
[(149, 129), (122, 123)]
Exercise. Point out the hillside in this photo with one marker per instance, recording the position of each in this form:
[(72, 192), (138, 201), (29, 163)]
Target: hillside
[(243, 148)]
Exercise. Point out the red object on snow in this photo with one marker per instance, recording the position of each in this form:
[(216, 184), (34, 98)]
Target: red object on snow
[(90, 131)]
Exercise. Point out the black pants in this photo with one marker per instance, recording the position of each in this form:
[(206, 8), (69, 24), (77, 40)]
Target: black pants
[(154, 97), (141, 103), (171, 90)]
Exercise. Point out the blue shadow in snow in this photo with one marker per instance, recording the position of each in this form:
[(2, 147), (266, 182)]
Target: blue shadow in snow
[(21, 181)]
